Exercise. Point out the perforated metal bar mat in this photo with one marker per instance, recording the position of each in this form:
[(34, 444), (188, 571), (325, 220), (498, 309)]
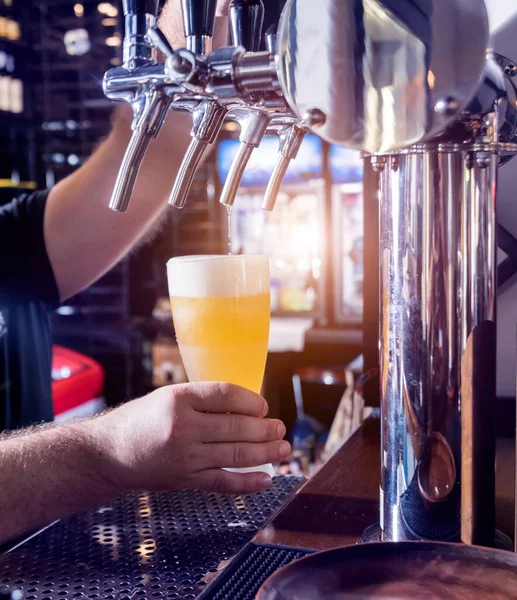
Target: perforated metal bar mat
[(243, 577), (141, 546)]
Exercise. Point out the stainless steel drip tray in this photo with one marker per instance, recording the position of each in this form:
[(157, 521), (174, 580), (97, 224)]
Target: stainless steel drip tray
[(158, 545), (397, 570)]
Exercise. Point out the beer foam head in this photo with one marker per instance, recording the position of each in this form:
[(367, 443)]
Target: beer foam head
[(222, 275)]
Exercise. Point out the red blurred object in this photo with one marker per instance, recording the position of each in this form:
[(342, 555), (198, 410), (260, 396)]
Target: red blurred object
[(77, 384)]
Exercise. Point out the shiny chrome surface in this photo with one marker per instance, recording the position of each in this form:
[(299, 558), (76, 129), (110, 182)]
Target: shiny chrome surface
[(290, 141), (254, 124), (165, 545), (208, 119), (187, 172), (246, 20), (437, 246), (231, 185), (410, 570), (437, 346), (199, 44), (198, 24), (147, 126), (138, 49), (378, 68), (194, 79), (207, 88), (507, 119), (368, 74), (271, 39), (275, 182), (128, 173), (256, 72)]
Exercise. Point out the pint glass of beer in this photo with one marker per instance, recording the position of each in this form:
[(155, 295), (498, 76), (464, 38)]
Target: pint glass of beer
[(221, 312)]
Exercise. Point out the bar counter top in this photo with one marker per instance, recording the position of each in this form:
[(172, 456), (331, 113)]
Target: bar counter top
[(172, 545)]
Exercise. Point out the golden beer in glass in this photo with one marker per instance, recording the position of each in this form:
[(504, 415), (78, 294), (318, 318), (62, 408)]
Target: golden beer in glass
[(221, 312)]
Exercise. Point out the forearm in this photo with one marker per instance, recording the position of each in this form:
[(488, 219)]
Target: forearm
[(84, 237), (177, 437), (52, 474)]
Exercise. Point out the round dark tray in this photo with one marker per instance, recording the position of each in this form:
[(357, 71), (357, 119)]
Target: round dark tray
[(398, 571)]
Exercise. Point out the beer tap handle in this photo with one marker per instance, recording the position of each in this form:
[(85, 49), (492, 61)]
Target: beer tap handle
[(142, 7), (271, 39), (290, 142), (246, 20), (146, 128), (253, 127), (139, 17), (208, 119), (198, 23)]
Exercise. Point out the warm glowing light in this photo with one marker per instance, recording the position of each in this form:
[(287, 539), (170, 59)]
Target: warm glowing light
[(108, 9), (79, 10), (231, 126), (431, 79), (146, 550), (109, 22), (328, 379), (114, 41)]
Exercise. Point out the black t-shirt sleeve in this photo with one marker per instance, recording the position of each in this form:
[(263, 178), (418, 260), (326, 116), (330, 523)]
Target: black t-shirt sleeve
[(25, 270)]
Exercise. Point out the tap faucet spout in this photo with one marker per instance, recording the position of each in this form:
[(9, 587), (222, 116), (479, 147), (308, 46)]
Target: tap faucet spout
[(290, 141), (253, 127), (208, 120), (147, 126)]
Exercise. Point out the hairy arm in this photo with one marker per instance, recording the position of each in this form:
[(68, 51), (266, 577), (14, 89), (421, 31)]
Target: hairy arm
[(84, 238), (177, 437), (49, 474)]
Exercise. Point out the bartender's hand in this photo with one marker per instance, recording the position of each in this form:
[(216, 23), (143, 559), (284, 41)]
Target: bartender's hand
[(181, 436), (177, 437)]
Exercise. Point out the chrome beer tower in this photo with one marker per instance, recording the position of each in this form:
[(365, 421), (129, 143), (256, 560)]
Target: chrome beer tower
[(411, 85), (235, 82)]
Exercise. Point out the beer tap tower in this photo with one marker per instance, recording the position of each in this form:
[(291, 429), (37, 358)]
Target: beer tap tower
[(412, 86)]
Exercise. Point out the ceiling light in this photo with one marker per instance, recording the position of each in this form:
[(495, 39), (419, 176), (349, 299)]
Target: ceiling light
[(114, 41), (77, 42), (108, 9)]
